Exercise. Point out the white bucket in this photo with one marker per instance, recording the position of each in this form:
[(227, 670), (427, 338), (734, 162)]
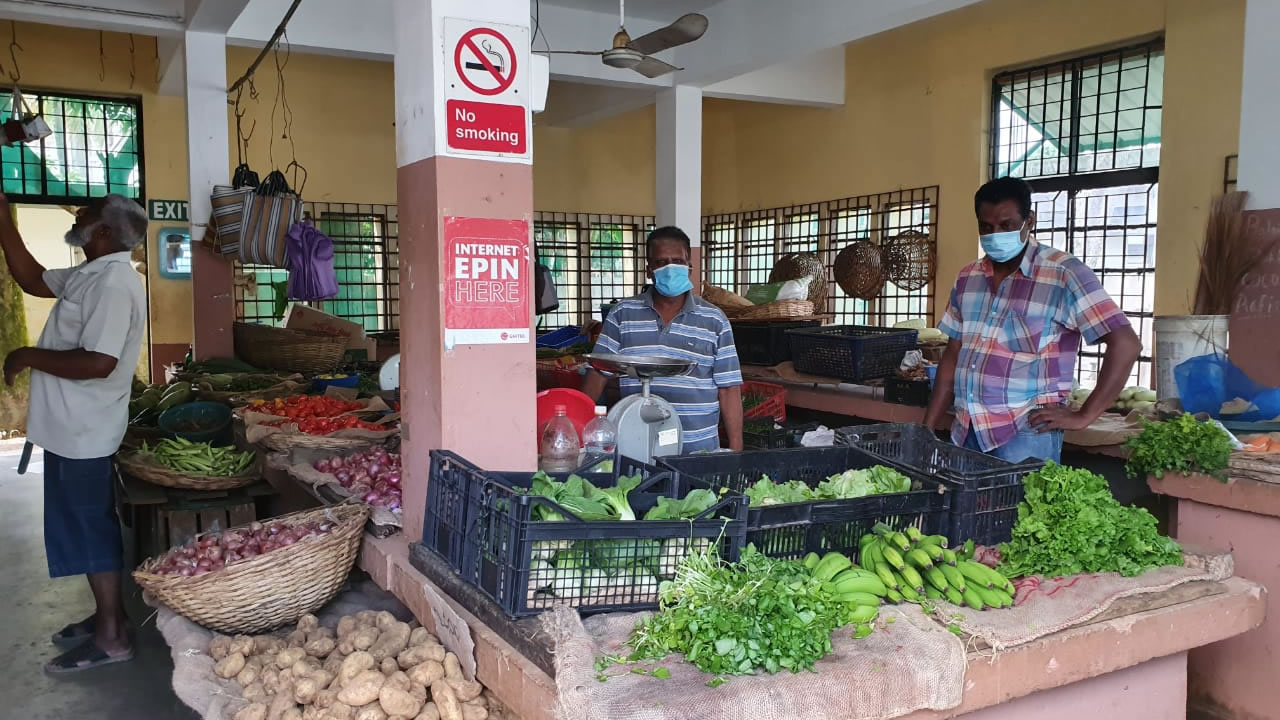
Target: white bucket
[(1181, 337)]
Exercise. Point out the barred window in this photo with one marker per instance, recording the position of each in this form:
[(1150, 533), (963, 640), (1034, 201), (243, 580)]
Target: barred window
[(366, 259), (1085, 133), (741, 248), (594, 259), (95, 149)]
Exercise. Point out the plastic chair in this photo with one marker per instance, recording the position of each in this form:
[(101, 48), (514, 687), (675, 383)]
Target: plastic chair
[(581, 409)]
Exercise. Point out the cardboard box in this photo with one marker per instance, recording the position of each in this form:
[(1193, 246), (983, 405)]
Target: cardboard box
[(302, 317)]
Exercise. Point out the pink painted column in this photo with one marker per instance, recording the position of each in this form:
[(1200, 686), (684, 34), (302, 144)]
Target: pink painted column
[(1235, 678), (474, 399)]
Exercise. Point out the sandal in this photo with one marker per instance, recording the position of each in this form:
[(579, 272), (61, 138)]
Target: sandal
[(73, 634), (83, 657)]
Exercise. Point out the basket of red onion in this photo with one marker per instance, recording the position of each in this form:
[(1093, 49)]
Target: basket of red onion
[(259, 576), (373, 476)]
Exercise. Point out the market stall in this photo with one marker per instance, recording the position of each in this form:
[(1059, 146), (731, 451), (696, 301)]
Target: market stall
[(1240, 510)]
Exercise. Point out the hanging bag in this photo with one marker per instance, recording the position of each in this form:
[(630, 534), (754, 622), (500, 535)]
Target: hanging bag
[(545, 298), (23, 124), (229, 202), (270, 211)]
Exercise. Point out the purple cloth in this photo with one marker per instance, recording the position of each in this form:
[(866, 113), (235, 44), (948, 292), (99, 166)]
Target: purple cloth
[(310, 258)]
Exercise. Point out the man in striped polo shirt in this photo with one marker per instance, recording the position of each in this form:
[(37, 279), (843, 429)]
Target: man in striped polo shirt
[(668, 320)]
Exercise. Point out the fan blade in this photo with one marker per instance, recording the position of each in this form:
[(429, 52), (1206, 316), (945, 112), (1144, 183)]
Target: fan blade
[(653, 67), (685, 30), (569, 52)]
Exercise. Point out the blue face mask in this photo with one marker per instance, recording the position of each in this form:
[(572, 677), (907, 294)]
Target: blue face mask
[(672, 280), (1002, 246)]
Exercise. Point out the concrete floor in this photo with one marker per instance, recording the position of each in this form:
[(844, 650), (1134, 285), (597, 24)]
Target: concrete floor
[(35, 607)]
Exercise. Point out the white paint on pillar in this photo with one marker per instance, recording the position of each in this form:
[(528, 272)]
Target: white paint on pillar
[(1259, 165), (679, 161), (208, 146), (420, 66)]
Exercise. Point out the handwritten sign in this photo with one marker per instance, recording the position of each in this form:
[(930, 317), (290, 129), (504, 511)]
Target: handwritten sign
[(452, 631), (1254, 343)]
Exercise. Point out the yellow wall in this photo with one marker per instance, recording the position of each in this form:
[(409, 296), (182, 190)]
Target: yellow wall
[(43, 229), (606, 167), (917, 110)]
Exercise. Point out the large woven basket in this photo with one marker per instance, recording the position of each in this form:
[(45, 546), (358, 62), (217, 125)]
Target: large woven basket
[(146, 469), (271, 590), (723, 299), (859, 271), (287, 349), (286, 441), (776, 310)]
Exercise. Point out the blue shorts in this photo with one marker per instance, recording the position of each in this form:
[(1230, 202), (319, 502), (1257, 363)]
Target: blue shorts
[(81, 528)]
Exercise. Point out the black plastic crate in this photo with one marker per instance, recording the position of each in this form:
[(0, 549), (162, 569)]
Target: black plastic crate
[(906, 392), (796, 529), (766, 343), (987, 490), (853, 353), (767, 434), (505, 547)]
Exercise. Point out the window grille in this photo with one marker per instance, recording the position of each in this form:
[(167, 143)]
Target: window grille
[(740, 249), (594, 259), (1229, 173), (366, 259), (95, 149), (1085, 133)]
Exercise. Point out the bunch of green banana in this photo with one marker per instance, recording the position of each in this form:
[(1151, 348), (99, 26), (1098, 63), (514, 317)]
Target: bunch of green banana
[(914, 567), (860, 589), (198, 458)]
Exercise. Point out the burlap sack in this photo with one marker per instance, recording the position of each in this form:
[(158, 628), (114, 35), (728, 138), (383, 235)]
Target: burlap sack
[(906, 665), (1046, 606)]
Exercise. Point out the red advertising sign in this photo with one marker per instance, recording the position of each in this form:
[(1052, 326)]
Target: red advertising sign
[(487, 293), (486, 127)]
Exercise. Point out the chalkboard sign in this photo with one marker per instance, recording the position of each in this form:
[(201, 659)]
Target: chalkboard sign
[(1254, 342)]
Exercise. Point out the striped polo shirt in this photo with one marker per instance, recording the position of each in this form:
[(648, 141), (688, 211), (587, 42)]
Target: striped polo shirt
[(699, 332)]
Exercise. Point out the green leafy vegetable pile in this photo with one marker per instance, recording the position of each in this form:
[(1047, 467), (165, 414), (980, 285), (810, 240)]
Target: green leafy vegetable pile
[(732, 619), (1070, 523), (1183, 445), (876, 480)]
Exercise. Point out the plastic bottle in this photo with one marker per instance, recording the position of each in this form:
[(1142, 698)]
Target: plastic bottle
[(600, 436), (560, 443)]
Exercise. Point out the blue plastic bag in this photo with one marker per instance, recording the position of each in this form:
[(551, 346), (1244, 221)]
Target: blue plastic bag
[(1208, 381)]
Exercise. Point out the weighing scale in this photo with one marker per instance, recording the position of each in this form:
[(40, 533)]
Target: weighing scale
[(648, 425)]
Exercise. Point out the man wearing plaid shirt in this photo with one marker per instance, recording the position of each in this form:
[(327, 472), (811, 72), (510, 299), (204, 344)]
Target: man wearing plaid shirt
[(1015, 321)]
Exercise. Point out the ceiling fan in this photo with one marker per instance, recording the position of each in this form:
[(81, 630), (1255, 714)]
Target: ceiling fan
[(629, 54)]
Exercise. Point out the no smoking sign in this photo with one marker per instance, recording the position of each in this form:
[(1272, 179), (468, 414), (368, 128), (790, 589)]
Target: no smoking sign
[(486, 89)]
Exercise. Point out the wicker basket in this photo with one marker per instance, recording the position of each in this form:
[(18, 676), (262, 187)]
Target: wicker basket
[(723, 299), (236, 398), (908, 259), (776, 310), (286, 349), (858, 270), (285, 442), (796, 266), (271, 590), (145, 469)]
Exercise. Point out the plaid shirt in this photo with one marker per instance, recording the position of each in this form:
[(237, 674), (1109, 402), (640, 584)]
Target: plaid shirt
[(1018, 343)]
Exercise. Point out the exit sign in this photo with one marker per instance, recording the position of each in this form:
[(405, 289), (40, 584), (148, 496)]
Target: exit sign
[(167, 209)]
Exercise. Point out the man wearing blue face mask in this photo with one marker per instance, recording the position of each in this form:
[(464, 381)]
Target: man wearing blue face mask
[(1015, 322), (668, 320)]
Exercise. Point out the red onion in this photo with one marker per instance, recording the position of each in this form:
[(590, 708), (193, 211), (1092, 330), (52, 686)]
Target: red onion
[(393, 478), (187, 572), (336, 462), (372, 498), (373, 468), (323, 466), (343, 476)]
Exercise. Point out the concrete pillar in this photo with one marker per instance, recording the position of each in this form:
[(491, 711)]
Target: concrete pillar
[(679, 161), (474, 399), (1259, 167), (207, 152)]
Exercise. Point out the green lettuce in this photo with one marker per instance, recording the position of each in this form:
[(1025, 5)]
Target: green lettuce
[(1069, 523)]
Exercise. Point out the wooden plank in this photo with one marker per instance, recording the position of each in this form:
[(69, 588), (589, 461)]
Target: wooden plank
[(212, 518), (181, 526), (141, 492), (243, 514)]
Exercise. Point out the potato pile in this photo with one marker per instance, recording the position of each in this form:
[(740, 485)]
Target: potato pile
[(373, 667)]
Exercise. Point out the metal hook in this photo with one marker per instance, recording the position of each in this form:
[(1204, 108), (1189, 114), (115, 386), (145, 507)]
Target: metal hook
[(133, 62), (102, 59), (14, 48)]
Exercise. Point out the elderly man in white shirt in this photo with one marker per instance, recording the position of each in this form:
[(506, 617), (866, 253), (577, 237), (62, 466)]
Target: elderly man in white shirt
[(81, 372)]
